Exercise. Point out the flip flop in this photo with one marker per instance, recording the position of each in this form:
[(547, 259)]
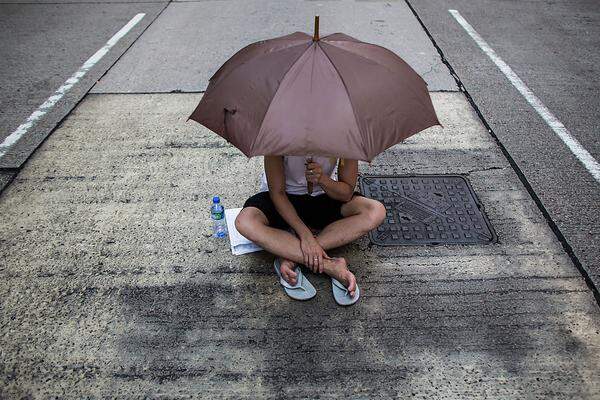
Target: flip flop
[(341, 294), (302, 290)]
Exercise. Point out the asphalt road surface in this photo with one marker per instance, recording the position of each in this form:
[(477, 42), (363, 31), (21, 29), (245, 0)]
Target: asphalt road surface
[(42, 46), (113, 287), (553, 48)]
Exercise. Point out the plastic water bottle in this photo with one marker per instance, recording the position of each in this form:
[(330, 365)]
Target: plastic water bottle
[(217, 214)]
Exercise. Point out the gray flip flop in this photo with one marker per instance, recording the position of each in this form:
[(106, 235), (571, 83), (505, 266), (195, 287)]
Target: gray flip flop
[(302, 290), (341, 294)]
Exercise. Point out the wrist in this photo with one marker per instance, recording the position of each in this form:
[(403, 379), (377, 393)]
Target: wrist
[(305, 234), (324, 180)]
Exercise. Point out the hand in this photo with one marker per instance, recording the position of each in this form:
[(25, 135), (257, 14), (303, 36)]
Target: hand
[(313, 253), (313, 172)]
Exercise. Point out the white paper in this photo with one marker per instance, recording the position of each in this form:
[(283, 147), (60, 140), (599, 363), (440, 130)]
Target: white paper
[(239, 244)]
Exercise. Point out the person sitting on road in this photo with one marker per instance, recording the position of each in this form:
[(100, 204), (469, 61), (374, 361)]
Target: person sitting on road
[(334, 208)]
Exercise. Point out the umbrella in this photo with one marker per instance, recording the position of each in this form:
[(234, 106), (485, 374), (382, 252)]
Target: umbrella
[(305, 95)]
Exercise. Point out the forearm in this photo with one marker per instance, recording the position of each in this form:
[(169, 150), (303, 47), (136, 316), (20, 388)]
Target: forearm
[(335, 189), (287, 211)]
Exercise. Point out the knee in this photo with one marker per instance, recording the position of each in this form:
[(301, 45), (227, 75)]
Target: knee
[(375, 213), (244, 223)]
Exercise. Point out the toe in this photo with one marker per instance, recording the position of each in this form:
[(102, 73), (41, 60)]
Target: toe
[(352, 285), (289, 275), (289, 278)]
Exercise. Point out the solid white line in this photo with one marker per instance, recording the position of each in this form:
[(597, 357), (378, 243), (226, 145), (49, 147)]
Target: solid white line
[(576, 148), (69, 83)]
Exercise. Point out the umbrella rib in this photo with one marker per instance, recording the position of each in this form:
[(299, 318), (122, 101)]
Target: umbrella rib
[(415, 95), (375, 61), (325, 38), (273, 97), (260, 43), (349, 97), (254, 58), (332, 42)]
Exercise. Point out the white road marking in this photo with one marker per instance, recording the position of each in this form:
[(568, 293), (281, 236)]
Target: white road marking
[(576, 148), (69, 83)]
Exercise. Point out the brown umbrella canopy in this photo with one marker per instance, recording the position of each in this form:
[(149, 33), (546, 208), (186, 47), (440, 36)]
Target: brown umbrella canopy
[(335, 96)]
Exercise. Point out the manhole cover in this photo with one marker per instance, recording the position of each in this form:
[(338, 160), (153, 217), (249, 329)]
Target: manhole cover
[(427, 209)]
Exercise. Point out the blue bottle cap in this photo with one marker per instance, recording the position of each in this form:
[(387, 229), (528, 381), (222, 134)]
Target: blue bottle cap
[(216, 199)]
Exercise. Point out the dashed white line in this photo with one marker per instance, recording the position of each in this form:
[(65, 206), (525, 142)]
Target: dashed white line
[(588, 161), (69, 83)]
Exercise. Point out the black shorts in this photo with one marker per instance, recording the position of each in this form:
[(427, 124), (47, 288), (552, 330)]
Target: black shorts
[(315, 211)]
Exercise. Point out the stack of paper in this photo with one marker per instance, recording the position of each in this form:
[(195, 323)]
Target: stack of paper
[(239, 244)]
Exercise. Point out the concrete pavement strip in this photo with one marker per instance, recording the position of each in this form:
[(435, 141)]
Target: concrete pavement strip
[(112, 285)]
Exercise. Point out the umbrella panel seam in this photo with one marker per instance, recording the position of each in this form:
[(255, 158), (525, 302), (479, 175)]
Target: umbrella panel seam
[(273, 97), (379, 64), (216, 84), (282, 38), (361, 134), (415, 95)]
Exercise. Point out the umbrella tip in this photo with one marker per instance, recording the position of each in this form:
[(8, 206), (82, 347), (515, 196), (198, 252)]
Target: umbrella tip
[(316, 34)]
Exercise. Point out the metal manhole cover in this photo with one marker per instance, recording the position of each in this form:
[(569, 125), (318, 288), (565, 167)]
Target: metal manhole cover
[(427, 209)]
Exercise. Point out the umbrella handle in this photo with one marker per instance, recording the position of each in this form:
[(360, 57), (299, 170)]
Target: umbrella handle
[(309, 185)]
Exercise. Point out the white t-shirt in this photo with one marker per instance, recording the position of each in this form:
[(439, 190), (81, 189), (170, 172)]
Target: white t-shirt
[(295, 180)]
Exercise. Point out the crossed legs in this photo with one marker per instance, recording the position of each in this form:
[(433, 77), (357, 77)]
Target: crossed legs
[(360, 214)]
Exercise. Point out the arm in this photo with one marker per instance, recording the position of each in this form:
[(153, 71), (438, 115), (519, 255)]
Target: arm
[(343, 188), (311, 250)]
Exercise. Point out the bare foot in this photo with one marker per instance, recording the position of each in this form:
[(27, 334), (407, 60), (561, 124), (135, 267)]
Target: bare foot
[(287, 271), (339, 270)]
